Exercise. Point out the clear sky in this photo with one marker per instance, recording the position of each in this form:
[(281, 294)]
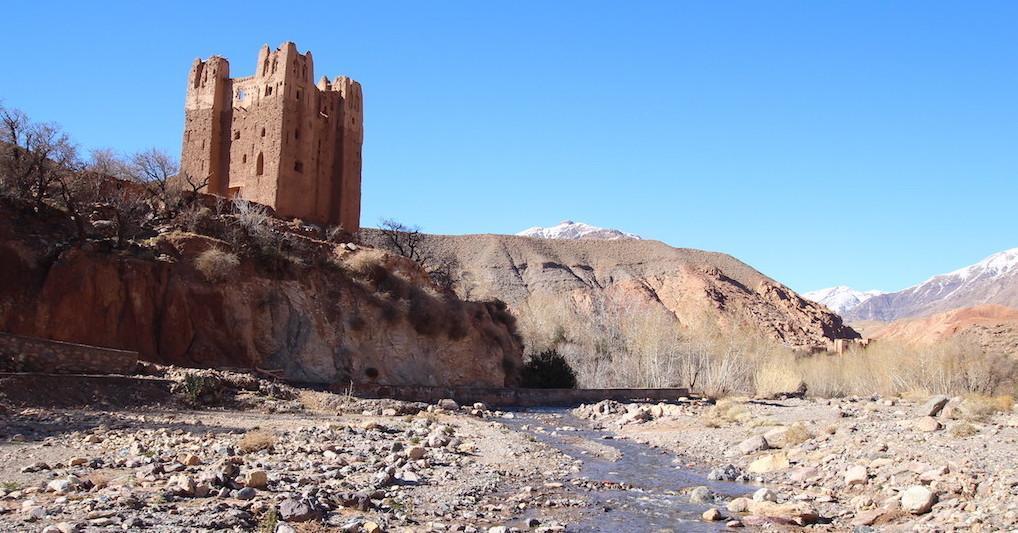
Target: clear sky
[(863, 143)]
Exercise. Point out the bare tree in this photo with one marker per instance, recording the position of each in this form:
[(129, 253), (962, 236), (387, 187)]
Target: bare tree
[(159, 173), (404, 240), (409, 241), (33, 156)]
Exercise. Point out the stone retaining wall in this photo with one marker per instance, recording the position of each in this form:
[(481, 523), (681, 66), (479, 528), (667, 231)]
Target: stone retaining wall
[(506, 397), (31, 354)]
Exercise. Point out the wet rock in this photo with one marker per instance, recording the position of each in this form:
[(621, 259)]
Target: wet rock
[(711, 515), (738, 505), (701, 495), (727, 473)]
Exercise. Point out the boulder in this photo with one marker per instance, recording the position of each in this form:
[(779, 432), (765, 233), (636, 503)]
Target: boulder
[(701, 495), (448, 404), (256, 479), (934, 405)]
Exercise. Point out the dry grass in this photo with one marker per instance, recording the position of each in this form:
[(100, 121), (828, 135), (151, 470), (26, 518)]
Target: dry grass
[(962, 430), (256, 440), (727, 411), (797, 433), (889, 369), (981, 406), (216, 265)]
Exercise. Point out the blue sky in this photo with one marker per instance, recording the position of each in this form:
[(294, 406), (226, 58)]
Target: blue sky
[(863, 143)]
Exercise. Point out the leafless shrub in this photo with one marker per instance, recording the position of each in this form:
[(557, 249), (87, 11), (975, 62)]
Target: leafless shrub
[(216, 264), (962, 430), (949, 367)]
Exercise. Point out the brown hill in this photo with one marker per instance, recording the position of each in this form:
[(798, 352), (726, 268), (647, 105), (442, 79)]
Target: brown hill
[(993, 327), (689, 284)]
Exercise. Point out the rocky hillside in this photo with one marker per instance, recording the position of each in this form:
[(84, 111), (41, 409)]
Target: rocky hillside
[(993, 280), (688, 284), (992, 327), (275, 299)]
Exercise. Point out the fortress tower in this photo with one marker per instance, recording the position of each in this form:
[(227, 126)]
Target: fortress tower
[(276, 137)]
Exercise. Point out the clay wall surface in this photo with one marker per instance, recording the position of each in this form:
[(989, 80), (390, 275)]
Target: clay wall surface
[(276, 137)]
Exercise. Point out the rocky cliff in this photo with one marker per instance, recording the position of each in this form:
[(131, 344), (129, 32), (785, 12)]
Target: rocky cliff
[(688, 284), (349, 314)]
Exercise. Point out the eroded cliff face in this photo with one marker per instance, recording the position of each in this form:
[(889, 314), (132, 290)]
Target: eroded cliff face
[(316, 323)]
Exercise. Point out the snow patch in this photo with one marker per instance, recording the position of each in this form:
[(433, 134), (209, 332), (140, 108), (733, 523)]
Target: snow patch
[(567, 229)]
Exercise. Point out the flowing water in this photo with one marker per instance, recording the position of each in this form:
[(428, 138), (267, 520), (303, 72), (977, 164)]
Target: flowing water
[(652, 504)]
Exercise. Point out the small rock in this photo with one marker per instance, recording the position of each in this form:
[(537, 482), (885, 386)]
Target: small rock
[(769, 463), (765, 495), (753, 444), (416, 452), (738, 505), (449, 405), (857, 475), (246, 493), (918, 499), (927, 424), (256, 479)]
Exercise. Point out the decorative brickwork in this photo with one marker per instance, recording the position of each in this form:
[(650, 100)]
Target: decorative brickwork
[(276, 137)]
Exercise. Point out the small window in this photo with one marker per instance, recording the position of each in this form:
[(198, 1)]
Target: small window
[(263, 132), (298, 166), (244, 159), (236, 135), (298, 94), (260, 165), (268, 90), (296, 133), (241, 94)]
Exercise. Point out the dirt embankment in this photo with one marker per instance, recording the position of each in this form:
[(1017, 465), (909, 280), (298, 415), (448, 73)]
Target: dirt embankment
[(344, 313)]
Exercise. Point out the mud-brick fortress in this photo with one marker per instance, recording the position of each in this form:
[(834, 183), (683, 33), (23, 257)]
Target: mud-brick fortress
[(276, 137)]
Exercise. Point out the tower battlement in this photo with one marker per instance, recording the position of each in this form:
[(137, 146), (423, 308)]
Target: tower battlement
[(276, 137)]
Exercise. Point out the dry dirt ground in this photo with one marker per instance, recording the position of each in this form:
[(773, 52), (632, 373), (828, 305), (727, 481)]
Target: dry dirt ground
[(317, 462), (847, 464)]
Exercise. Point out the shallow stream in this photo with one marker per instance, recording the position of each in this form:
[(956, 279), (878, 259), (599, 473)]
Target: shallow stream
[(654, 502)]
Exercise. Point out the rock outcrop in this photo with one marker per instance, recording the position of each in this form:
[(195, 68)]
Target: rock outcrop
[(314, 321)]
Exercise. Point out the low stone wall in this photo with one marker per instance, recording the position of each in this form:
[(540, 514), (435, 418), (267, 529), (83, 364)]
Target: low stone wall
[(506, 397), (31, 354)]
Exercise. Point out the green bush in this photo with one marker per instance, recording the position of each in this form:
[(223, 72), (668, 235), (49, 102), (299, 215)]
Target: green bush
[(548, 370)]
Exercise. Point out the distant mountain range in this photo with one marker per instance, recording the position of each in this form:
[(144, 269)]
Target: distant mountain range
[(567, 229), (993, 280), (840, 299)]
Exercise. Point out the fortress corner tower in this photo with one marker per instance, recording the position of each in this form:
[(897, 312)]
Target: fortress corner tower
[(277, 137)]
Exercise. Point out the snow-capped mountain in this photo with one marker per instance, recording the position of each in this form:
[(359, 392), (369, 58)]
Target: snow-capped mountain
[(840, 299), (567, 229), (993, 280)]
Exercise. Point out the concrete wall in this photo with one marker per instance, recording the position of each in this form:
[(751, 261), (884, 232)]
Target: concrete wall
[(30, 354), (510, 397)]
